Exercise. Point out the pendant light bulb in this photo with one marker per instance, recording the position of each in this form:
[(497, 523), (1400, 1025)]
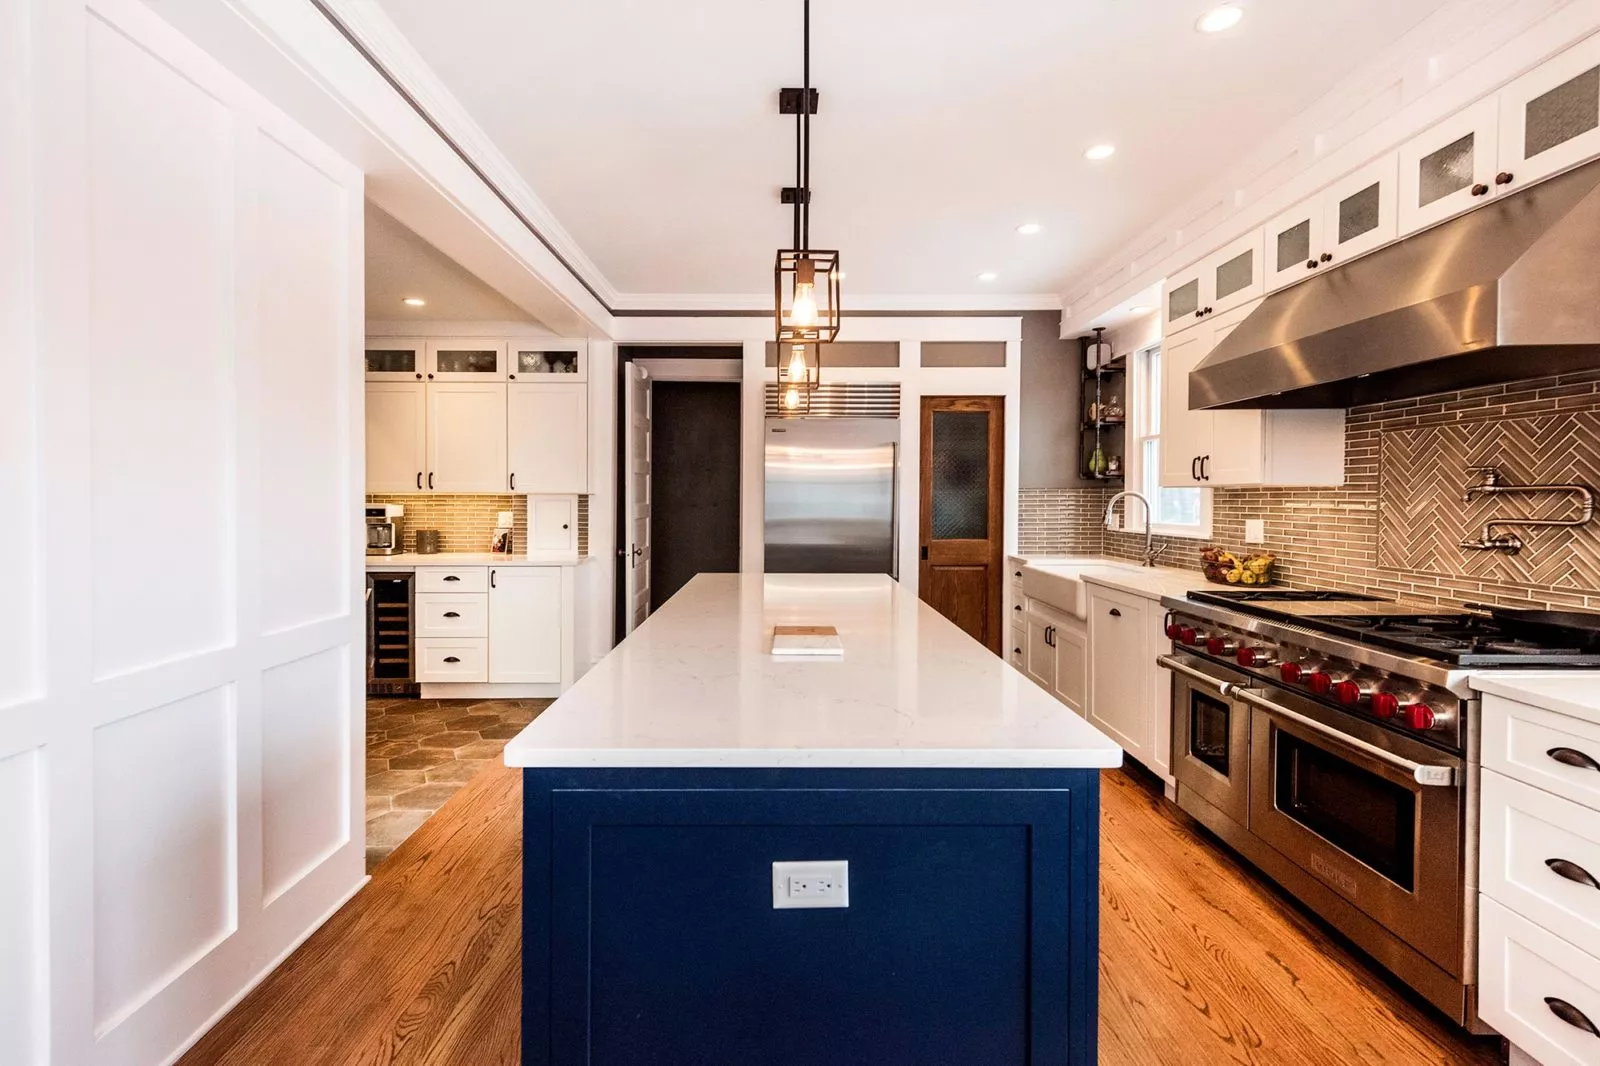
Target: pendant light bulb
[(791, 398), (798, 371), (805, 304)]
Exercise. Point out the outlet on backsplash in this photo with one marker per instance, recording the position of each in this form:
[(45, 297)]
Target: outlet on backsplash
[(1255, 530)]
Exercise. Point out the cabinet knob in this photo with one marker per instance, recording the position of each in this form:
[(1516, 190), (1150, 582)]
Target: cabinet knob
[(563, 525), (430, 377), (1480, 189), (1311, 264), (1325, 257), (513, 377), (1505, 177), (419, 377)]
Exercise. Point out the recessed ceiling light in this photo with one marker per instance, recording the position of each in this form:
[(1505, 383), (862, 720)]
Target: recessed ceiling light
[(988, 275), (414, 301), (1100, 151), (1140, 309), (1221, 18), (1028, 229)]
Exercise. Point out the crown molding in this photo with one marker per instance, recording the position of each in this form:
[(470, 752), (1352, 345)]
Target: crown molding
[(743, 303)]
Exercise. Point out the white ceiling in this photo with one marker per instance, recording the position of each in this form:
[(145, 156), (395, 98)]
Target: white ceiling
[(401, 264), (651, 130)]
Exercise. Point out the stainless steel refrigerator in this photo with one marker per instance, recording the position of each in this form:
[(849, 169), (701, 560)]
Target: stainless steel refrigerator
[(831, 495)]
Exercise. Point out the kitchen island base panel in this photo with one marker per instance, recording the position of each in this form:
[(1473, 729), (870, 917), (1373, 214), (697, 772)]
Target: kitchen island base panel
[(649, 934)]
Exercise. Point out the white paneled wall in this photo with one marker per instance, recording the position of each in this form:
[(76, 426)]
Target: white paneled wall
[(181, 632)]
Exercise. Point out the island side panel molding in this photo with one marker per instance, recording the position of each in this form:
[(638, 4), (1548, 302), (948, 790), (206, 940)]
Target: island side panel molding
[(971, 932)]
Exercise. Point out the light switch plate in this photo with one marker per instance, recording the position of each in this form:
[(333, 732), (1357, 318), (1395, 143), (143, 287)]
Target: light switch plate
[(810, 885), (1255, 531)]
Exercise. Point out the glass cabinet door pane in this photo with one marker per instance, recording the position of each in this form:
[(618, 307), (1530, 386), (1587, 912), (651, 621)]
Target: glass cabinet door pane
[(464, 361), (960, 475), (1236, 274), (1449, 170), (553, 361), (1359, 213), (391, 360), (1183, 300), (1294, 245), (1567, 111)]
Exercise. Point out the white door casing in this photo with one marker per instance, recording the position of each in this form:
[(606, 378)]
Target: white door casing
[(636, 493), (181, 739)]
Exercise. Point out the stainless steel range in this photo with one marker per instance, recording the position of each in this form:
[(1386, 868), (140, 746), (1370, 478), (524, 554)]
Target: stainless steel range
[(1332, 740)]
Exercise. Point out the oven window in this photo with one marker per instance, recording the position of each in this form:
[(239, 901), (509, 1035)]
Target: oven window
[(1208, 731), (1363, 815)]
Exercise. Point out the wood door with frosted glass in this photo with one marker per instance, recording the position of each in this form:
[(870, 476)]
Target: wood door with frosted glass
[(962, 530)]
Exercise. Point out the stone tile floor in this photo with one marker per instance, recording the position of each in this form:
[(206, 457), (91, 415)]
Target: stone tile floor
[(420, 752)]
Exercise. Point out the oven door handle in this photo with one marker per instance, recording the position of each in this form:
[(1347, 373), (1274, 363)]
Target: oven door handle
[(1178, 666), (1421, 773)]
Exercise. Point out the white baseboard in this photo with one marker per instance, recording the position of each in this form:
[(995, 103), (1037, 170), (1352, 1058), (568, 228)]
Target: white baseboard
[(473, 691)]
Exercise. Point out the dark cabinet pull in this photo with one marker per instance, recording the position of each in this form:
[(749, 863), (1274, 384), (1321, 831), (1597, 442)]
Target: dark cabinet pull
[(1016, 606), (1194, 468), (451, 577), (1016, 651), (1480, 189), (491, 579), (1326, 257), (1505, 177), (1571, 1015), (419, 377), (563, 525), (513, 377), (452, 614), (430, 377), (1311, 264), (1573, 757), (430, 480), (1572, 872), (1205, 461), (451, 659), (419, 481), (513, 482), (1115, 613)]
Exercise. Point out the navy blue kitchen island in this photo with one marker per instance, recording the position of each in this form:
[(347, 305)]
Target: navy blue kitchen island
[(953, 808)]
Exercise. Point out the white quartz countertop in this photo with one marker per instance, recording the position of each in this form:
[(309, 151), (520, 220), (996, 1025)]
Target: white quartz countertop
[(412, 560), (1574, 692), (697, 685), (1152, 582)]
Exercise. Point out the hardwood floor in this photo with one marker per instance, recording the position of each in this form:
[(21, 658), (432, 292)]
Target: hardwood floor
[(1200, 963)]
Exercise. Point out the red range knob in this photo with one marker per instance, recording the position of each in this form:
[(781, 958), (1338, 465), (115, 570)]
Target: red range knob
[(1187, 635), (1348, 693), (1320, 682), (1385, 704), (1220, 646), (1174, 631), (1290, 672), (1419, 716), (1253, 657)]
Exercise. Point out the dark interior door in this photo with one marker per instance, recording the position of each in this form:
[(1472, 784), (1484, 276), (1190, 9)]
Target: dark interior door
[(962, 535), (694, 465)]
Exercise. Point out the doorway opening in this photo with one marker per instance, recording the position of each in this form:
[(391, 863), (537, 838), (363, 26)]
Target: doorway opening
[(679, 461)]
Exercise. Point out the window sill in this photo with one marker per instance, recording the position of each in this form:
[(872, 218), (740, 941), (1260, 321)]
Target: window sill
[(1174, 532)]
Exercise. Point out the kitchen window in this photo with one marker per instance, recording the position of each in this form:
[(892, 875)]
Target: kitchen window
[(1177, 512)]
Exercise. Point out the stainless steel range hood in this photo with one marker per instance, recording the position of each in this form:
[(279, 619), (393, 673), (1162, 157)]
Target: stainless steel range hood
[(1508, 291)]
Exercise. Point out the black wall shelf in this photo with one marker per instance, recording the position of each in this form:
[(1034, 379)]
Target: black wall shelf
[(1108, 437)]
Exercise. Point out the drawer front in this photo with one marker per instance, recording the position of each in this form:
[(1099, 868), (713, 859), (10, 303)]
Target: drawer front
[(452, 579), (1017, 648), (1526, 975), (453, 660), (1550, 751), (1529, 840), (443, 614)]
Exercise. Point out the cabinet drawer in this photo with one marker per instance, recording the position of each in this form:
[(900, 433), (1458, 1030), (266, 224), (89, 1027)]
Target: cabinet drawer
[(1551, 751), (452, 660), (1527, 835), (1017, 646), (452, 579), (443, 614), (1526, 974)]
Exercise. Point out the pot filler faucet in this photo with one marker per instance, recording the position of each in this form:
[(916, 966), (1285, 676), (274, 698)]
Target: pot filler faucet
[(1489, 484), (1151, 550)]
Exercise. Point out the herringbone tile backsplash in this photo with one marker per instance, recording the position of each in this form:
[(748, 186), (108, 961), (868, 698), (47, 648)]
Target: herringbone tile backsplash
[(1395, 526)]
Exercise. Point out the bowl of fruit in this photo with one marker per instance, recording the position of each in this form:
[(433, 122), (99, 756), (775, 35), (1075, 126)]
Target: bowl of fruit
[(1226, 568)]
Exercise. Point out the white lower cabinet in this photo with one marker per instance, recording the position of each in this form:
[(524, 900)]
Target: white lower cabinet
[(1039, 653), (1122, 670), (456, 661), (525, 625), (1072, 666), (1055, 653), (553, 526), (1538, 868)]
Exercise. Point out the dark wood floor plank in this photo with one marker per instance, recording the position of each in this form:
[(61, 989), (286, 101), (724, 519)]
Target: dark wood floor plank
[(1201, 961)]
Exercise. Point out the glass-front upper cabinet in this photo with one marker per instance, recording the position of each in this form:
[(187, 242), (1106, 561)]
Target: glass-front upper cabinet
[(542, 360), (1235, 272), (1361, 211), (1550, 117), (1451, 167), (467, 359), (396, 359), (1295, 244)]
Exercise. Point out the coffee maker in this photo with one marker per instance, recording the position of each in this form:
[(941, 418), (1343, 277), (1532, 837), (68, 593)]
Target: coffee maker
[(383, 528)]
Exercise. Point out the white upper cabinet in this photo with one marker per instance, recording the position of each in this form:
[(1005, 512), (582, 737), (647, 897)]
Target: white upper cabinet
[(396, 359), (553, 526), (1185, 434), (467, 360), (548, 426), (1550, 117), (564, 361), (467, 437), (1451, 167), (1227, 278), (397, 436), (1295, 243), (1362, 211)]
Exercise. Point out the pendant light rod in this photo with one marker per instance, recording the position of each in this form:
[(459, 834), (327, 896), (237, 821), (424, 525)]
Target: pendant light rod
[(805, 119)]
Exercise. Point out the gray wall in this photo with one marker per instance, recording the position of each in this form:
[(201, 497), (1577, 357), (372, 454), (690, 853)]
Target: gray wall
[(1051, 383)]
